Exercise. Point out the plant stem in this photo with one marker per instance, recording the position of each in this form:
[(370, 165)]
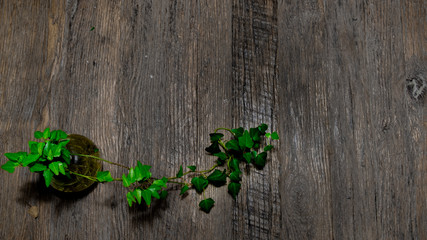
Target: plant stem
[(201, 172), (98, 158), (226, 129), (84, 176)]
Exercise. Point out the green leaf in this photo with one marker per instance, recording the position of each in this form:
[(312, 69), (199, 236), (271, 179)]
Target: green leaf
[(262, 128), (54, 167), (268, 148), (245, 141), (50, 155), (137, 193), (232, 145), (163, 194), (146, 194), (61, 167), (256, 146), (38, 167), (40, 147), (255, 134), (217, 178), (192, 168), (145, 171), (125, 181), (234, 164), (248, 157), (33, 147), (274, 136), (130, 198), (57, 135), (53, 135), (30, 159), (104, 176), (62, 144), (235, 176), (268, 135), (10, 166), (38, 134), (206, 205), (160, 182), (131, 176), (238, 132), (184, 189), (215, 137), (47, 174), (199, 183), (16, 157), (221, 157), (233, 189), (213, 148), (46, 133), (154, 192), (260, 160), (180, 172), (66, 155), (56, 151)]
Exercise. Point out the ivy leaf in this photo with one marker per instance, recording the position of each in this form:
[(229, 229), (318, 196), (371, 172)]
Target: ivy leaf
[(268, 148), (256, 146), (57, 151), (255, 134), (232, 145), (38, 167), (163, 194), (262, 128), (50, 155), (47, 174), (221, 157), (248, 157), (234, 164), (125, 181), (61, 167), (213, 148), (260, 160), (235, 176), (238, 132), (33, 147), (184, 189), (66, 155), (137, 193), (130, 198), (54, 166), (62, 144), (192, 168), (199, 183), (233, 189), (46, 133), (180, 172), (142, 172), (131, 176), (104, 176), (57, 135), (146, 194), (160, 182), (217, 178), (274, 136), (245, 141), (154, 192), (9, 166), (30, 159), (15, 157), (215, 137), (206, 205), (38, 134)]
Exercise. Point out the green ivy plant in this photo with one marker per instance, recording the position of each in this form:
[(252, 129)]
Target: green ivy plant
[(50, 157)]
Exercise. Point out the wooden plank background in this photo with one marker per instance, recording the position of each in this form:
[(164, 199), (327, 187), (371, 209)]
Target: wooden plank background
[(155, 77)]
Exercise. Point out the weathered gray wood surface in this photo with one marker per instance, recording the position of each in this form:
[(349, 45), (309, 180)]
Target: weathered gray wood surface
[(154, 78)]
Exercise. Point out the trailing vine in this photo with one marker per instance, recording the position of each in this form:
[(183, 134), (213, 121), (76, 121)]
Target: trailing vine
[(51, 157)]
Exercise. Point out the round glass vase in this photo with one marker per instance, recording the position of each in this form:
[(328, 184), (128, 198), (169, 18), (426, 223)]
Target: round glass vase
[(83, 165)]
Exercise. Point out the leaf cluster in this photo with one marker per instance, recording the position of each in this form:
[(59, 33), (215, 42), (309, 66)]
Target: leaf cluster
[(244, 147), (50, 156)]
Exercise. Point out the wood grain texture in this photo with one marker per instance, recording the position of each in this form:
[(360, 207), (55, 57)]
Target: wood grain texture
[(154, 78)]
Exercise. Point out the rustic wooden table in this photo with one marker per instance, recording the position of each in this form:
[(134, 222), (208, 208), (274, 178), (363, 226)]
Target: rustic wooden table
[(152, 79)]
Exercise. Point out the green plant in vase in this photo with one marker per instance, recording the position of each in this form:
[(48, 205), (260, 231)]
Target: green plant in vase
[(69, 166)]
